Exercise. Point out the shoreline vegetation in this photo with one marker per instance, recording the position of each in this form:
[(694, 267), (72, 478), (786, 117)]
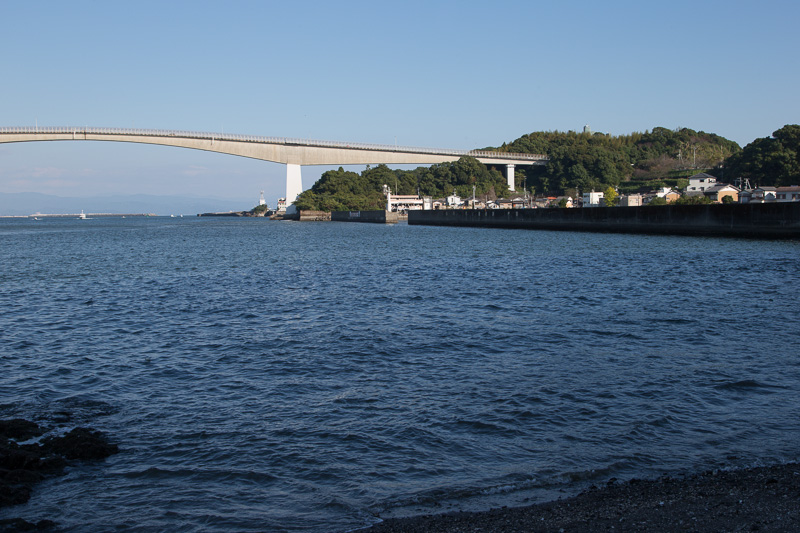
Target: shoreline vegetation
[(763, 498), (577, 161)]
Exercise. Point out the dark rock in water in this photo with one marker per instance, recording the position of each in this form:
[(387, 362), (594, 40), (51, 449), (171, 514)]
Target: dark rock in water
[(24, 465), (13, 494), (19, 429), (80, 443), (18, 524)]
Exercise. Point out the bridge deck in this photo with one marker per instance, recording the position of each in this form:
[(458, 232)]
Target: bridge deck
[(289, 146)]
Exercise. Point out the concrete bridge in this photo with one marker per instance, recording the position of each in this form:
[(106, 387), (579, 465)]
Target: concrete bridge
[(294, 153)]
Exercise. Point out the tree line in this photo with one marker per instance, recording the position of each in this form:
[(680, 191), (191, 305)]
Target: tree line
[(578, 161), (342, 190)]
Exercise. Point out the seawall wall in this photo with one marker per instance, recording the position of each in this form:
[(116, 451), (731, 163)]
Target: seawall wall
[(375, 217), (773, 220)]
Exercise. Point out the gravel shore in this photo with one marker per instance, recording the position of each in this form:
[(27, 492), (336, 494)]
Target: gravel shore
[(754, 499)]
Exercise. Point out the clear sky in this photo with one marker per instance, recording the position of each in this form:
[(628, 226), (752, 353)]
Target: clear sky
[(450, 74)]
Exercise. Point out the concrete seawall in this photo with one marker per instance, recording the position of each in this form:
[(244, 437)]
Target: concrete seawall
[(773, 220), (375, 217)]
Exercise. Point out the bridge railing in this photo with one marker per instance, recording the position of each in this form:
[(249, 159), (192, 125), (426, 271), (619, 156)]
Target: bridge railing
[(85, 130)]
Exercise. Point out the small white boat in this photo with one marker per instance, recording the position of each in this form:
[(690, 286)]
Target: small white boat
[(82, 216)]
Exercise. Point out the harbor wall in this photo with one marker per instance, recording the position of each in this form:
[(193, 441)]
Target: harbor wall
[(313, 216), (771, 220), (375, 217)]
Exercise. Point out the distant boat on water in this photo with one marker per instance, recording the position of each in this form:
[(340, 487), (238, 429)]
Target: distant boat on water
[(82, 216)]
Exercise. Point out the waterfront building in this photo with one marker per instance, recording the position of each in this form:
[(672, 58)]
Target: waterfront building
[(787, 194), (404, 202), (700, 182), (453, 200), (759, 195), (568, 203), (668, 193), (592, 199), (720, 191), (630, 200)]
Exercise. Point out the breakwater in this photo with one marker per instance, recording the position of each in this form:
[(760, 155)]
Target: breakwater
[(375, 217), (775, 220)]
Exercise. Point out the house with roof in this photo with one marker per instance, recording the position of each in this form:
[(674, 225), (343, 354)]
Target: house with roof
[(759, 195), (700, 182), (721, 190), (668, 193), (567, 201), (787, 194), (540, 202), (453, 201), (519, 202), (630, 200)]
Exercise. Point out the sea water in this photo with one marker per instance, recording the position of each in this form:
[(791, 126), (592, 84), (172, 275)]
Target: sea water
[(282, 376)]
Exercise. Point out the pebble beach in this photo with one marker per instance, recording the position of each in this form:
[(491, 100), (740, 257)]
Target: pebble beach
[(754, 499)]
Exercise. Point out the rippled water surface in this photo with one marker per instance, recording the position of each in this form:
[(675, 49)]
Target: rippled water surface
[(280, 376)]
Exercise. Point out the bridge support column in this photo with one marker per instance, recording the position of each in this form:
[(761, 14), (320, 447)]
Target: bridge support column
[(510, 177), (294, 183)]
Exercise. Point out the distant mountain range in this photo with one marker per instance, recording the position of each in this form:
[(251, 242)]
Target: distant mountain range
[(15, 204)]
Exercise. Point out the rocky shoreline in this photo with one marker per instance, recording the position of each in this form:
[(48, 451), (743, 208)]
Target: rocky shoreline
[(753, 499), (26, 459)]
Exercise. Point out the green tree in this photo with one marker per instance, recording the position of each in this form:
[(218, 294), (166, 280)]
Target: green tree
[(610, 196), (340, 190), (587, 161), (769, 161), (693, 200)]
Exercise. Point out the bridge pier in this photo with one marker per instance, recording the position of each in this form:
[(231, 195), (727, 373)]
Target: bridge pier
[(294, 183), (510, 176)]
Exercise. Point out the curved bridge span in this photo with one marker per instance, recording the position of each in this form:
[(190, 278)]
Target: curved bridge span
[(294, 153)]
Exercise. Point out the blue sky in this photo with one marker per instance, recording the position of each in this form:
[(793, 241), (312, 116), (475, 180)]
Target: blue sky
[(440, 74)]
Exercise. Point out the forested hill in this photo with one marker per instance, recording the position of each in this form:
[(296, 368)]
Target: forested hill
[(586, 161), (578, 162), (342, 190)]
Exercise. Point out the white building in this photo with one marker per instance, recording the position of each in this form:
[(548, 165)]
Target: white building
[(402, 203), (453, 200), (701, 182), (592, 199)]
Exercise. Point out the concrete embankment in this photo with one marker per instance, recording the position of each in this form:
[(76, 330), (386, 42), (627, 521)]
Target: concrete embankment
[(375, 217), (237, 214), (303, 216), (773, 220)]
